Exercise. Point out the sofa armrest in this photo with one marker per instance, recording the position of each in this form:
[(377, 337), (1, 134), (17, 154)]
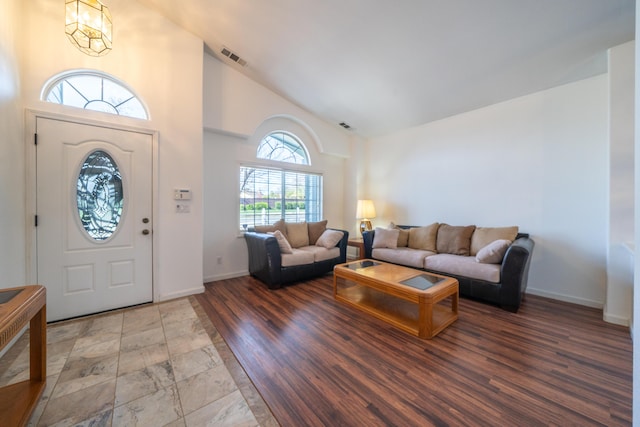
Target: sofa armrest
[(265, 260), (514, 273), (367, 239), (342, 244)]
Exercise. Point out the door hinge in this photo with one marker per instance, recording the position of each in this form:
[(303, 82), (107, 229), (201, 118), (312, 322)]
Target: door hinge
[(36, 220), (35, 139)]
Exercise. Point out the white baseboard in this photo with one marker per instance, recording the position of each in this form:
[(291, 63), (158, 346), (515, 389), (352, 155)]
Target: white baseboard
[(565, 298), (225, 276), (182, 293), (616, 320)]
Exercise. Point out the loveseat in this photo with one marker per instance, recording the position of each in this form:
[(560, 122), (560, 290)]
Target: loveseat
[(285, 253), (491, 264)]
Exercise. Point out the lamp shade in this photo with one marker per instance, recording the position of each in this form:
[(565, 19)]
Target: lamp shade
[(365, 209), (88, 26)]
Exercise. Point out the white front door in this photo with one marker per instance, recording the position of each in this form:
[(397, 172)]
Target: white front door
[(94, 224)]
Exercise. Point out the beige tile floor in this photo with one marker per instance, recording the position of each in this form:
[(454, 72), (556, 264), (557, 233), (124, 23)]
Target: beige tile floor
[(155, 365)]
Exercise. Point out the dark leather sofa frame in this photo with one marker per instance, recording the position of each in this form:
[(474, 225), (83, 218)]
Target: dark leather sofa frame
[(514, 273), (265, 261)]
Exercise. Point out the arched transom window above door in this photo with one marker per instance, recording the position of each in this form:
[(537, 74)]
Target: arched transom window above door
[(94, 90)]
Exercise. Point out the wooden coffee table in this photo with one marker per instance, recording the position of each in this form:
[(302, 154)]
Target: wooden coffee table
[(415, 301)]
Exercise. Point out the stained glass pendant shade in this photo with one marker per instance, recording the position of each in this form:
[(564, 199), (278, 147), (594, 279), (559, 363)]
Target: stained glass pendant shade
[(88, 26), (100, 195)]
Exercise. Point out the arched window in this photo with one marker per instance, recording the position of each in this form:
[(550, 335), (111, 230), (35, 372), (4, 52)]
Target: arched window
[(94, 90), (283, 147), (268, 194)]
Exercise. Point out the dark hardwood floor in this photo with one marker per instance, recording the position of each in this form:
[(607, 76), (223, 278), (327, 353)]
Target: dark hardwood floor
[(317, 362)]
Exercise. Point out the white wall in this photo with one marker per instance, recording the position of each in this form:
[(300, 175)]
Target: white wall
[(163, 64), (621, 74), (238, 113), (237, 105), (539, 162), (223, 155), (12, 216), (621, 132), (636, 215)]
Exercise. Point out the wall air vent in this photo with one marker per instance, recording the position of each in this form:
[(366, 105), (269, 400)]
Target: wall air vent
[(232, 56)]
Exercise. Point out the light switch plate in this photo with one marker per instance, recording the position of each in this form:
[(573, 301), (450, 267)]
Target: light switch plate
[(182, 194)]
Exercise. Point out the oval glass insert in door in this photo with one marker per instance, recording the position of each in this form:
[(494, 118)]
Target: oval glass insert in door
[(100, 195)]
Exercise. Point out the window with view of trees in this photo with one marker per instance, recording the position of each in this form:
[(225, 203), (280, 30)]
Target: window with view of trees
[(268, 194)]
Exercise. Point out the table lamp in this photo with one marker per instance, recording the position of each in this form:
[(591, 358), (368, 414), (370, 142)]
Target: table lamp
[(365, 212)]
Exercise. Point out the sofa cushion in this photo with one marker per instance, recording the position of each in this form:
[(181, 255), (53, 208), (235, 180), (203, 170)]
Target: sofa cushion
[(485, 235), (264, 228), (385, 238), (278, 225), (403, 236), (329, 238), (298, 234), (424, 237), (405, 256), (285, 247), (298, 257), (494, 252), (321, 253), (455, 240), (463, 266), (315, 230)]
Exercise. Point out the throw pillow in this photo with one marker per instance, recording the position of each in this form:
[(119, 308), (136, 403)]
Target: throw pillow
[(403, 237), (285, 247), (485, 235), (282, 226), (494, 252), (278, 225), (454, 240), (385, 238), (424, 237), (329, 238), (298, 234), (315, 230)]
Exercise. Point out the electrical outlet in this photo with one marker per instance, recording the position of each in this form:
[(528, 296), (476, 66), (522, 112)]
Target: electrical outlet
[(219, 260)]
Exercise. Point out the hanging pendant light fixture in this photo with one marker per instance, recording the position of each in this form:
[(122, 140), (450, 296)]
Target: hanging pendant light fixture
[(88, 26)]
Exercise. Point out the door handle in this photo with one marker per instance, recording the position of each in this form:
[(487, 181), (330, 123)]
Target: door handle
[(145, 231)]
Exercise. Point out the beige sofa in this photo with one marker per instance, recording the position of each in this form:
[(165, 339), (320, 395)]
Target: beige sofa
[(490, 263), (285, 253)]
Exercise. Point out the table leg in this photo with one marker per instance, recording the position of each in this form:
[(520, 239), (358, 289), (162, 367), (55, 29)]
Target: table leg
[(38, 346), (425, 322)]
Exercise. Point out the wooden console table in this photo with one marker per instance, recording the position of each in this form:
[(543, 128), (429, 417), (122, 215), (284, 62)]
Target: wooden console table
[(19, 306)]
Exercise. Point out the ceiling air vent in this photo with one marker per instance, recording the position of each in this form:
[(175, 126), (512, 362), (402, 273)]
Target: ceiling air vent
[(232, 56), (345, 125)]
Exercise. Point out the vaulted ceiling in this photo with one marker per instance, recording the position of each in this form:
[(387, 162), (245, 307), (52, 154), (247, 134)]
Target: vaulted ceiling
[(382, 65)]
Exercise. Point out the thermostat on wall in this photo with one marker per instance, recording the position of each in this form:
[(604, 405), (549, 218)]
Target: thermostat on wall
[(182, 195)]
